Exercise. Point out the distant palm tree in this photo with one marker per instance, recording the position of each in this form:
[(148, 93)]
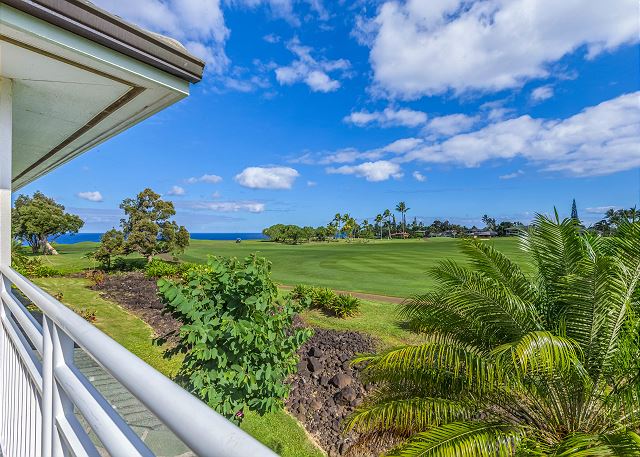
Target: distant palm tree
[(513, 365), (379, 222), (402, 209), (387, 215), (337, 221)]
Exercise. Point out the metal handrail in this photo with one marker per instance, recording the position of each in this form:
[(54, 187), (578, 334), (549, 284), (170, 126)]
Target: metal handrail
[(202, 429)]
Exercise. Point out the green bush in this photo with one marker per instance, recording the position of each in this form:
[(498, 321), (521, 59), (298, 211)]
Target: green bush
[(345, 305), (162, 269), (31, 266), (303, 294), (237, 336), (322, 298)]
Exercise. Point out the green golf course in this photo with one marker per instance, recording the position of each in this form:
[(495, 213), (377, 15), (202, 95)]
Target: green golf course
[(387, 267)]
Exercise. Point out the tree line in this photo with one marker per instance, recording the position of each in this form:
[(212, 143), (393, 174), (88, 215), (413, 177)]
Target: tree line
[(386, 225), (147, 228)]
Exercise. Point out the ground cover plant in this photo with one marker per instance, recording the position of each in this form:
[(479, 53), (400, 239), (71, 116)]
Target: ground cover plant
[(511, 365), (237, 335)]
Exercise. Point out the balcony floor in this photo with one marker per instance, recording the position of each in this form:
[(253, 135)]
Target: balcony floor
[(153, 432)]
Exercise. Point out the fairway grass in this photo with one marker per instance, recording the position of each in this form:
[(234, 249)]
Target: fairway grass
[(387, 267)]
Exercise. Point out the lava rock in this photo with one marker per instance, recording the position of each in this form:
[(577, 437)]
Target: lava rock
[(314, 365), (341, 380)]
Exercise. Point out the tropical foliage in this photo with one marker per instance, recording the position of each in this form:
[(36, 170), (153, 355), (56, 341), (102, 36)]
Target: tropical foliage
[(518, 365), (324, 298), (237, 335)]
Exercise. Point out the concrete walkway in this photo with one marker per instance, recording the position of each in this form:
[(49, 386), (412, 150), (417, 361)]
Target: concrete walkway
[(144, 423)]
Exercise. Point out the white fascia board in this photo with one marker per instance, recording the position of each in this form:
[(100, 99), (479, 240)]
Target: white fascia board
[(77, 44)]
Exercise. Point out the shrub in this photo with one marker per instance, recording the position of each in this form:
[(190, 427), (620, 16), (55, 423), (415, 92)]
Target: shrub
[(322, 298), (162, 269), (303, 295), (301, 291), (87, 314), (33, 268), (237, 336), (345, 305), (95, 276)]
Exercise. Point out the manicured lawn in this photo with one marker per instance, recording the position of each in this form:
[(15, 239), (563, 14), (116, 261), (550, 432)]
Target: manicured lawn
[(377, 319), (396, 267), (277, 430)]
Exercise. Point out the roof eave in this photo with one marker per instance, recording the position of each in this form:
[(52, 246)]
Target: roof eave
[(90, 22)]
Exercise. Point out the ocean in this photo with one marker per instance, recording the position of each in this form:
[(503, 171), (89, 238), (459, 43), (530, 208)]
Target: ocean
[(95, 237)]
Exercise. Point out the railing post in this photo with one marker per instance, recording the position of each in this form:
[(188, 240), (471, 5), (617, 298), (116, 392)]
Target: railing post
[(47, 386), (6, 152), (62, 406)]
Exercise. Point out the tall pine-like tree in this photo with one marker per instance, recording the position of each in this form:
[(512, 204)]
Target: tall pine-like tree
[(574, 211)]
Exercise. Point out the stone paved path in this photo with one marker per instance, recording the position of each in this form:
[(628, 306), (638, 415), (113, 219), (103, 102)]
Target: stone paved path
[(154, 433)]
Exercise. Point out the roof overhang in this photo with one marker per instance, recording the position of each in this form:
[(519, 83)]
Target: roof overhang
[(72, 91)]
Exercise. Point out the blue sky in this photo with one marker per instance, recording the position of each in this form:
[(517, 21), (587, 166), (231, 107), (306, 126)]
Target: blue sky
[(313, 107)]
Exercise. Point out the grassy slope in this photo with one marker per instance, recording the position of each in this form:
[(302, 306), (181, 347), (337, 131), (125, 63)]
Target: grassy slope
[(277, 430), (377, 319), (396, 267)]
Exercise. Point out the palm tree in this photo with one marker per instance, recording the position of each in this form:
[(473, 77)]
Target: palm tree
[(387, 215), (513, 365), (336, 222), (402, 209), (379, 222)]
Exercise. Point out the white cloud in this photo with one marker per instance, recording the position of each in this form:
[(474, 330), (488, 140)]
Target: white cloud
[(311, 184), (451, 124), (177, 191), (601, 139), (91, 196), (515, 174), (419, 176), (432, 47), (371, 171), (599, 209), (210, 179), (388, 118), (267, 177), (403, 145), (271, 38), (233, 206), (307, 69), (198, 24), (542, 93), (284, 8)]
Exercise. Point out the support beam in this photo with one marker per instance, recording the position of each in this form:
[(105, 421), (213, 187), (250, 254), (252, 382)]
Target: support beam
[(6, 135)]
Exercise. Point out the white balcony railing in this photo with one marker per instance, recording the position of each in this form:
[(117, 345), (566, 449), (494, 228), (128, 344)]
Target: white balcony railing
[(48, 407)]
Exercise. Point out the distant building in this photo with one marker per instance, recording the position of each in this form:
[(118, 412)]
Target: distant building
[(485, 234)]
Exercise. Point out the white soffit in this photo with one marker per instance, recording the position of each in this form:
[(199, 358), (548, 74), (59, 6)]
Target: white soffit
[(70, 94)]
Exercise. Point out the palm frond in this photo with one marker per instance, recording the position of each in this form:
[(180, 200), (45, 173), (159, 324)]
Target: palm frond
[(408, 416), (540, 351), (495, 309), (586, 445), (459, 439), (495, 265), (440, 353)]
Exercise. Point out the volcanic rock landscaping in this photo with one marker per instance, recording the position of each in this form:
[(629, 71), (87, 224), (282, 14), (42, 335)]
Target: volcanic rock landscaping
[(139, 294), (324, 391)]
